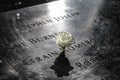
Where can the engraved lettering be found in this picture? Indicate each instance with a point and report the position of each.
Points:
(38, 59)
(78, 45)
(33, 41)
(46, 37)
(45, 57)
(26, 62)
(80, 65)
(71, 48)
(40, 39)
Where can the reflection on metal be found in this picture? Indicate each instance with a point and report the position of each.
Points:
(57, 8)
(27, 39)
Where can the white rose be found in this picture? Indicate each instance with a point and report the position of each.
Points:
(64, 39)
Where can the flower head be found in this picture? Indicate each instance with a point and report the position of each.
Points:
(64, 39)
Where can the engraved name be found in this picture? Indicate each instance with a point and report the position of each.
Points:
(21, 26)
(56, 53)
(34, 40)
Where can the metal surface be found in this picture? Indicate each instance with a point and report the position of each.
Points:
(27, 39)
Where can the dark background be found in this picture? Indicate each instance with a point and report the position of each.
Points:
(7, 5)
